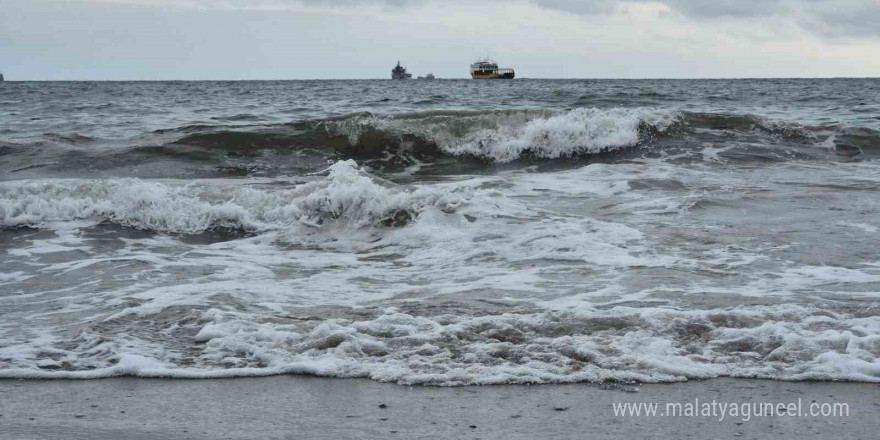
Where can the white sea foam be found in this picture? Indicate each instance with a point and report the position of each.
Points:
(347, 195)
(517, 277)
(579, 131)
(11, 277)
(871, 229)
(507, 136)
(622, 344)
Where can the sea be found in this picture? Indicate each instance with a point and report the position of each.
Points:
(445, 232)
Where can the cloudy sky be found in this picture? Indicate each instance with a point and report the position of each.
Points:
(301, 39)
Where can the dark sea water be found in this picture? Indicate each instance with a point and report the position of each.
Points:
(442, 232)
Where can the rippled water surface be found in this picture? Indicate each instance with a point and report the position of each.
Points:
(442, 232)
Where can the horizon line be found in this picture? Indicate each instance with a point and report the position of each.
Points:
(446, 78)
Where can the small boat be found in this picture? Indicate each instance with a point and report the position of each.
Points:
(399, 72)
(428, 76)
(488, 69)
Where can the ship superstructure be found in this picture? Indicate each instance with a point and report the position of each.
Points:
(399, 72)
(488, 69)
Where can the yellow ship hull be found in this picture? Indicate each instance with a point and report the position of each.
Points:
(507, 74)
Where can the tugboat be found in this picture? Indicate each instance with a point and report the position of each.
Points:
(488, 69)
(399, 72)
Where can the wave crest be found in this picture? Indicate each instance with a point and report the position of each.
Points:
(783, 342)
(347, 195)
(507, 136)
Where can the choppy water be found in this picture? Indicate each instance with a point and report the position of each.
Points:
(442, 232)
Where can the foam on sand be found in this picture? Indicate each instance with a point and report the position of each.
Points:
(620, 344)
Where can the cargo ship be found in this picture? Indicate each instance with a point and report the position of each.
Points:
(399, 72)
(488, 69)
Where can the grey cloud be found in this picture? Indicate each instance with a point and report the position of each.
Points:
(830, 19)
(580, 7)
(739, 8)
(691, 8)
(827, 18)
(845, 18)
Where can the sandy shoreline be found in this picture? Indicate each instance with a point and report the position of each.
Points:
(298, 407)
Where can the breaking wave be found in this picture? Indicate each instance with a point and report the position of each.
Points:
(347, 195)
(786, 342)
(395, 142)
(507, 136)
(527, 232)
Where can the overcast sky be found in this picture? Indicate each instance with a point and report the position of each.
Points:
(303, 39)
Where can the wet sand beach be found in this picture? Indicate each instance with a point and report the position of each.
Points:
(296, 407)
